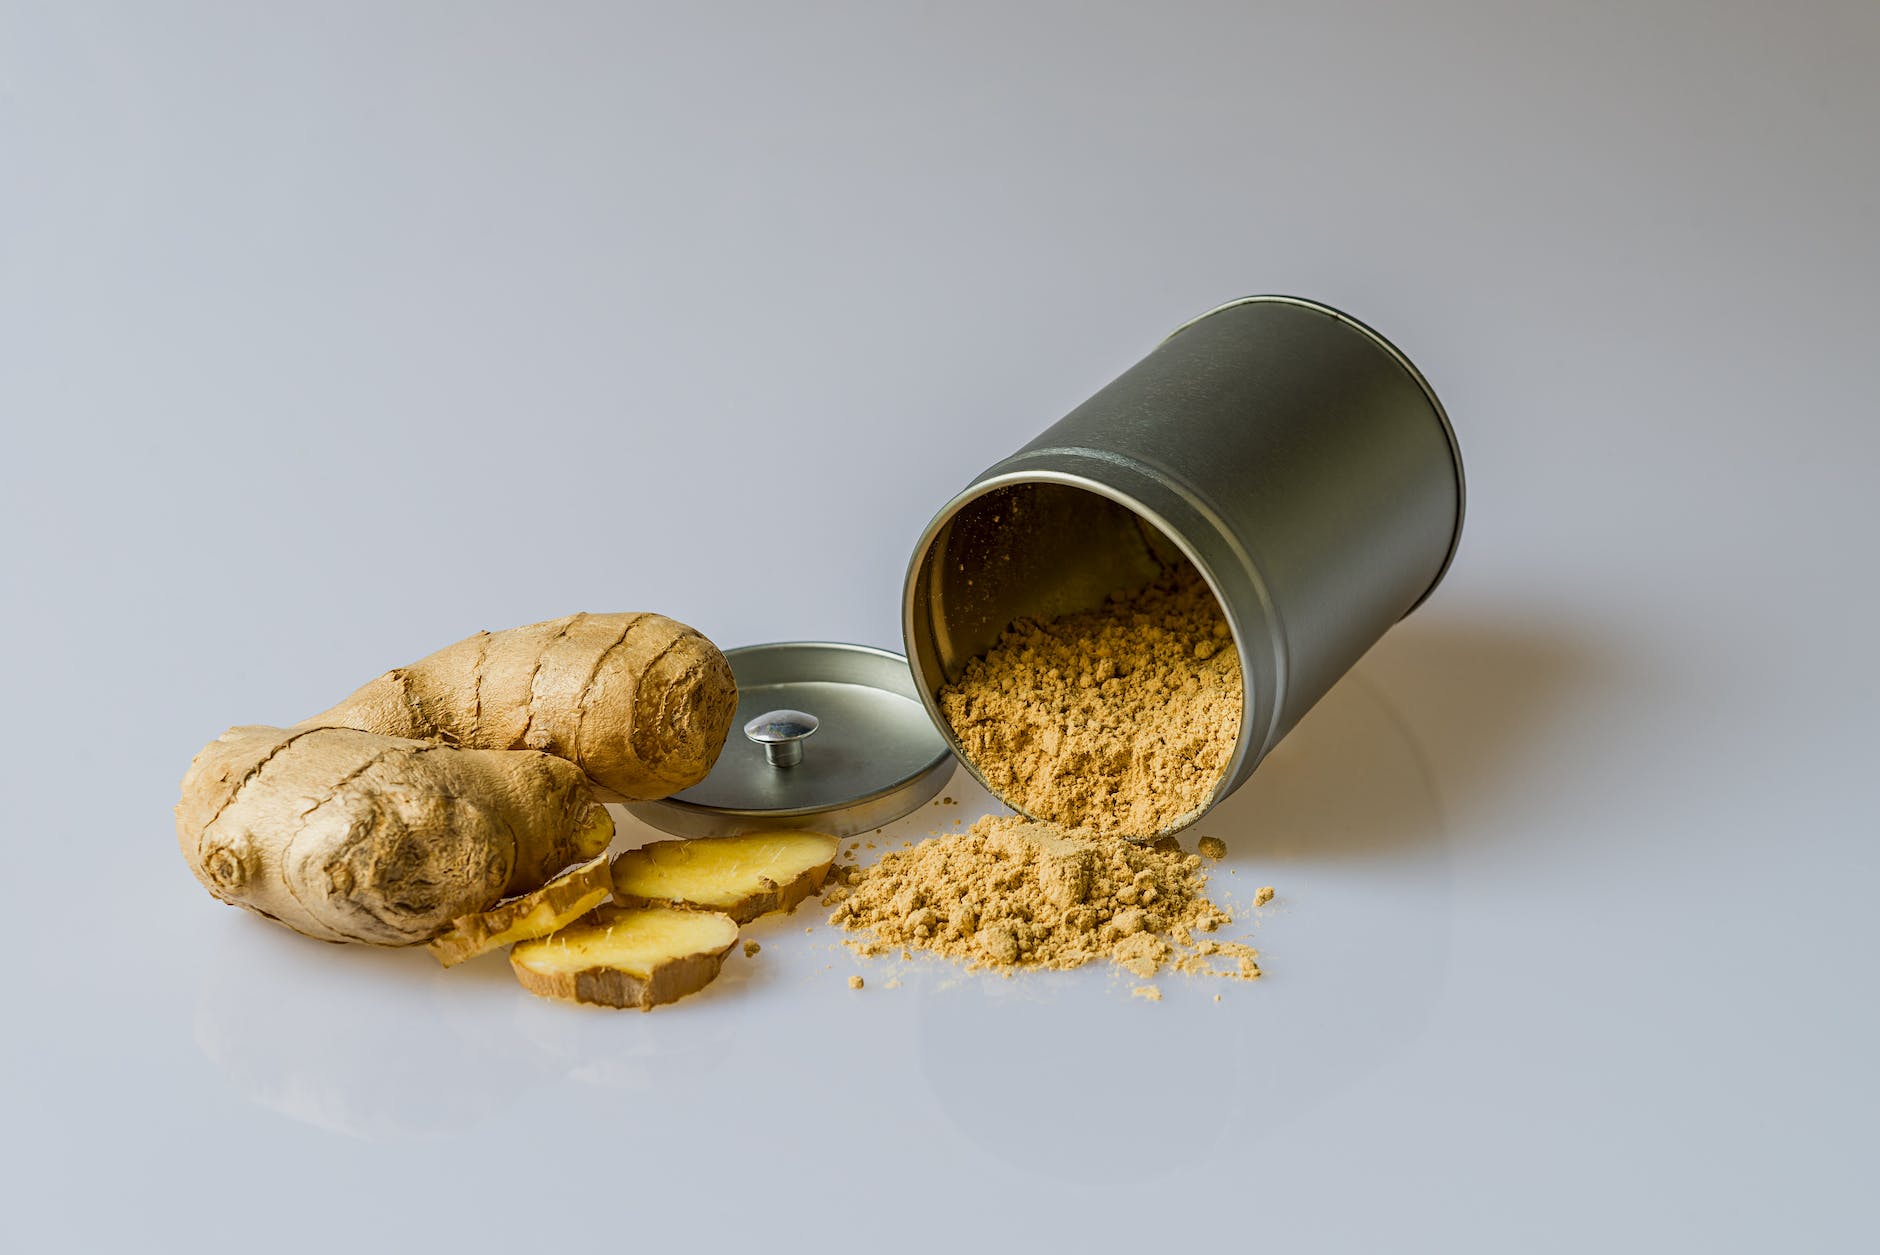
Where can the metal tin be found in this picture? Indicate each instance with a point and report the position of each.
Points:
(1293, 455)
(833, 737)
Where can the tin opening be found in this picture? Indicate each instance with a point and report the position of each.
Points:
(1034, 550)
(1030, 550)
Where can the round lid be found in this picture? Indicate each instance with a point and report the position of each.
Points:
(830, 737)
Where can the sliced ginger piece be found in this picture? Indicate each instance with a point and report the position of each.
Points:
(743, 877)
(640, 957)
(554, 906)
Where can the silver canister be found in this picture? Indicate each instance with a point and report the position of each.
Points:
(1290, 452)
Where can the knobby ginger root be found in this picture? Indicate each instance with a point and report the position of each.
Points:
(743, 876)
(639, 957)
(555, 905)
(639, 702)
(348, 836)
(472, 775)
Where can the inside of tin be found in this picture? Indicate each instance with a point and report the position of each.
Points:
(1034, 550)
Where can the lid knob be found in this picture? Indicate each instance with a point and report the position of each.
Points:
(781, 733)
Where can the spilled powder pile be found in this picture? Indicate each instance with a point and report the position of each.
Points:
(1009, 892)
(1120, 719)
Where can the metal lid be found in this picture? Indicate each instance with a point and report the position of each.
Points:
(830, 737)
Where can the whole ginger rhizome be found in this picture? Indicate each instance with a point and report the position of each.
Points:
(444, 802)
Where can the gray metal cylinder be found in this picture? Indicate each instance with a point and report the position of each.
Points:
(1289, 451)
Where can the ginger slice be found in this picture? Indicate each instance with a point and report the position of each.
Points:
(743, 877)
(642, 957)
(554, 906)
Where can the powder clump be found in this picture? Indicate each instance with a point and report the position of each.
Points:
(1121, 719)
(1010, 892)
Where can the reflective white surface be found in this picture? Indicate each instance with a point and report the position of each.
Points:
(331, 333)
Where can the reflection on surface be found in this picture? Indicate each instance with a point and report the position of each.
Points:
(1091, 1088)
(352, 1039)
(1069, 1077)
(385, 1045)
(676, 1049)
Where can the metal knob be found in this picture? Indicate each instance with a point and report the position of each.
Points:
(781, 733)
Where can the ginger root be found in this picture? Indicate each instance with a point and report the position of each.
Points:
(743, 876)
(640, 703)
(640, 957)
(348, 836)
(441, 788)
(554, 906)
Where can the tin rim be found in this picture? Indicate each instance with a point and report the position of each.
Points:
(1232, 774)
(1409, 367)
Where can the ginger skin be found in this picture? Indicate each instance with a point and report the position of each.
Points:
(442, 788)
(349, 836)
(639, 702)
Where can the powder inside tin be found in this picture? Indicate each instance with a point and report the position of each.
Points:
(1009, 892)
(1120, 719)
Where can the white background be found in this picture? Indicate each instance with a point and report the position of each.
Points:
(330, 333)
